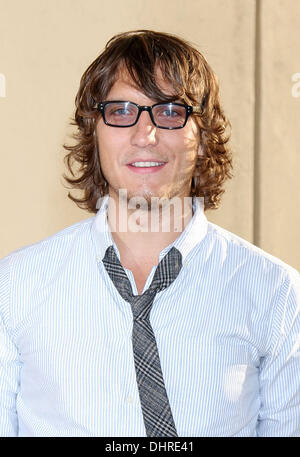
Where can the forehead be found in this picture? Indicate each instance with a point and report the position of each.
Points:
(124, 83)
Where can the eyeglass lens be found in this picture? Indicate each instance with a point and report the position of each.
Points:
(164, 115)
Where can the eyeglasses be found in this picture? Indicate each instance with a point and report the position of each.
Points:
(163, 115)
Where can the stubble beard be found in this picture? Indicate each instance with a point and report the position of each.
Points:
(149, 199)
(161, 210)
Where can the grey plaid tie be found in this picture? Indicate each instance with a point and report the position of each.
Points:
(157, 414)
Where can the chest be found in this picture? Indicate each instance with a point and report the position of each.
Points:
(209, 380)
(140, 274)
(140, 278)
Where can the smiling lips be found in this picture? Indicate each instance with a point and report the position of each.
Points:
(139, 166)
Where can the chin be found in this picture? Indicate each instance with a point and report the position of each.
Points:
(145, 194)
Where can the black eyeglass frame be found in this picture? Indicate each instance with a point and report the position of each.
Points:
(188, 110)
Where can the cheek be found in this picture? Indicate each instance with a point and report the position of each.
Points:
(188, 140)
(188, 150)
(192, 149)
(109, 144)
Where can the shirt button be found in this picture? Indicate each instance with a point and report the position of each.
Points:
(129, 400)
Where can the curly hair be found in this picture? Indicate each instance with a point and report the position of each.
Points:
(194, 82)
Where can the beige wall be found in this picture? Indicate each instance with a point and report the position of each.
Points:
(45, 45)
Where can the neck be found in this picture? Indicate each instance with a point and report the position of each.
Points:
(141, 233)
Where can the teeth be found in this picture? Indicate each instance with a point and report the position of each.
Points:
(147, 164)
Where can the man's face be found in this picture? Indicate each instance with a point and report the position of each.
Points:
(119, 148)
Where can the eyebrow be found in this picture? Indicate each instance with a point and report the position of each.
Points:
(159, 101)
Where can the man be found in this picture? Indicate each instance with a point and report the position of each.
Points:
(146, 319)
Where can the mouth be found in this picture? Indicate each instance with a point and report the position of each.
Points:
(145, 166)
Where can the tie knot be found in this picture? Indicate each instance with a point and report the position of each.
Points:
(166, 272)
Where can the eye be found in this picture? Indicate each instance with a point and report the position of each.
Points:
(169, 113)
(119, 111)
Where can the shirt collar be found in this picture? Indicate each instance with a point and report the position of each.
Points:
(193, 233)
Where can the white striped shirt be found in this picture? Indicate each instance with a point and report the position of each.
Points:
(227, 330)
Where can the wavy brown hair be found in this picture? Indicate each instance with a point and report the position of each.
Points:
(140, 52)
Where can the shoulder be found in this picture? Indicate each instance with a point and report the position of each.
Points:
(244, 266)
(28, 273)
(236, 249)
(254, 280)
(32, 257)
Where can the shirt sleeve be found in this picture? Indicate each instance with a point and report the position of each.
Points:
(9, 361)
(280, 369)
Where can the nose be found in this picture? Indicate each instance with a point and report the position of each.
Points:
(144, 132)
